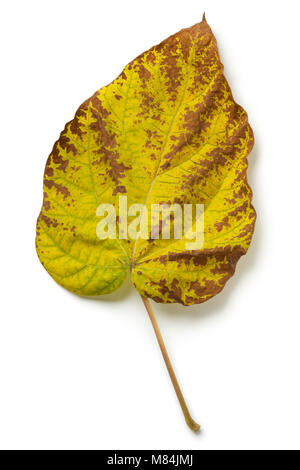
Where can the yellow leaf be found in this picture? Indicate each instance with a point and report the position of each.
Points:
(167, 130)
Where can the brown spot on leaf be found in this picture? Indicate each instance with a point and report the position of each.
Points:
(60, 189)
(49, 221)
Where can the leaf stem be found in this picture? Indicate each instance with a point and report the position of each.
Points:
(189, 420)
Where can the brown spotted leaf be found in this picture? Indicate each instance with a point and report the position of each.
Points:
(167, 130)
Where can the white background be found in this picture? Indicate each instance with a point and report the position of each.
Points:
(85, 374)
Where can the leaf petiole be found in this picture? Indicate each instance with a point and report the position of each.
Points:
(189, 420)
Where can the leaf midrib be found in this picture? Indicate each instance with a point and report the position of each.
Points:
(165, 143)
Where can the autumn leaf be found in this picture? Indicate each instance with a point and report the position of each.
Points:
(166, 131)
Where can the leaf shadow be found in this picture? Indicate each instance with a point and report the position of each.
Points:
(117, 296)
